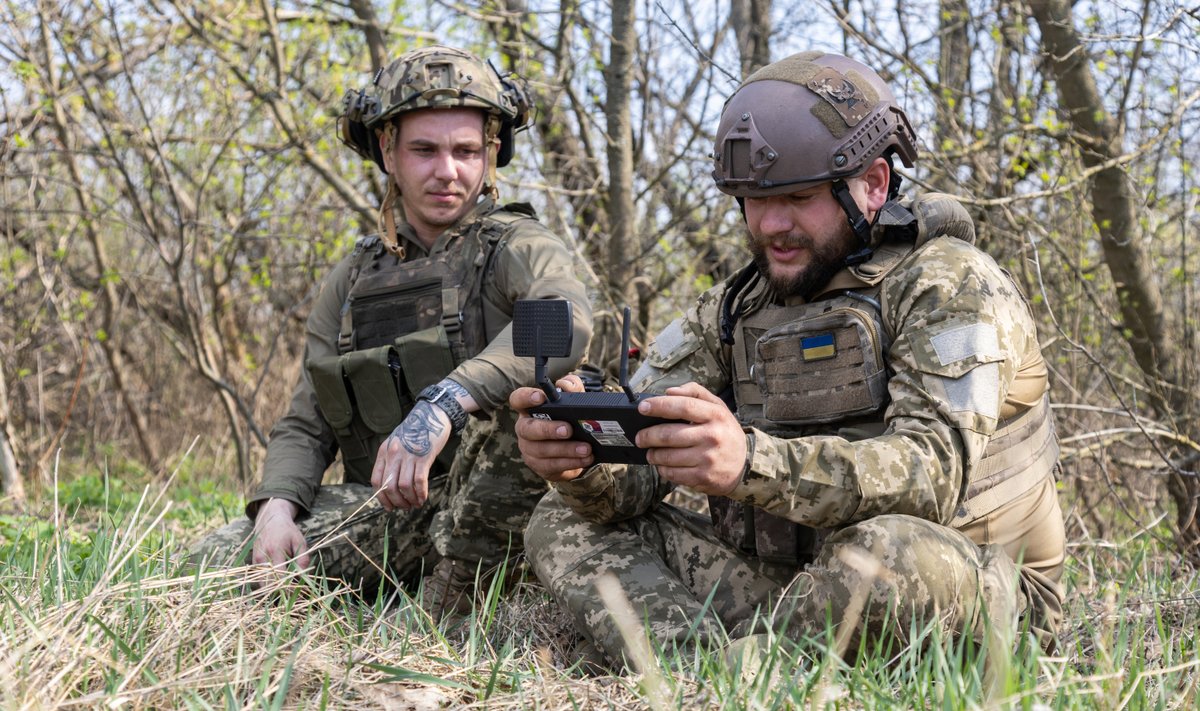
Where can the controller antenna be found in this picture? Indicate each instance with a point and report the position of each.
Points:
(624, 374)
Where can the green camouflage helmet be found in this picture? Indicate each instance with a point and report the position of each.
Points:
(436, 77)
(804, 120)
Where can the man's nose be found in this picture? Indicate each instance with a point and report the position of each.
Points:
(774, 219)
(445, 167)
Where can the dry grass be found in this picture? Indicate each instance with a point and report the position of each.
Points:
(97, 614)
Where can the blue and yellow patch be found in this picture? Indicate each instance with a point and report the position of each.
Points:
(818, 347)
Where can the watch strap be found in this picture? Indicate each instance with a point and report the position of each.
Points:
(441, 396)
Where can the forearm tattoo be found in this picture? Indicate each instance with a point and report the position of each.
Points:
(454, 388)
(419, 429)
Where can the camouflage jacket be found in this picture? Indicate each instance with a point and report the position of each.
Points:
(532, 262)
(936, 425)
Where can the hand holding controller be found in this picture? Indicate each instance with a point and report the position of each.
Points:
(609, 422)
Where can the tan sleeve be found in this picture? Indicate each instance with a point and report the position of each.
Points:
(534, 263)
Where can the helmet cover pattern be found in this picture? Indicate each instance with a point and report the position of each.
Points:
(436, 77)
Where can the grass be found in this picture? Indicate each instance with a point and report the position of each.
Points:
(96, 612)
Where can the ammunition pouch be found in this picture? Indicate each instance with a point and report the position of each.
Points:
(366, 394)
(822, 368)
(758, 533)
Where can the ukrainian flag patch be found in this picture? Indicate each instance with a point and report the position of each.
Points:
(818, 347)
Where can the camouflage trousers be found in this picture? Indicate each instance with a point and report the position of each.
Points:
(350, 538)
(888, 575)
(475, 515)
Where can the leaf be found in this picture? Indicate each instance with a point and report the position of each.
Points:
(402, 674)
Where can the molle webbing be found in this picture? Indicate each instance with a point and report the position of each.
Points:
(1020, 455)
(813, 363)
(413, 321)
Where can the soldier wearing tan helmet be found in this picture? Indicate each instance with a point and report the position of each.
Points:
(408, 359)
(866, 403)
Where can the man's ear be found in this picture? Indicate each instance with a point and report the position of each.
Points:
(877, 178)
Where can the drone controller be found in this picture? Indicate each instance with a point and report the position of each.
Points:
(609, 422)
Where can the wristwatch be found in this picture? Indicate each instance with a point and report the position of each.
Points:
(440, 395)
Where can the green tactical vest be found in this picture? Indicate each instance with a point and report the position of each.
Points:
(820, 369)
(405, 325)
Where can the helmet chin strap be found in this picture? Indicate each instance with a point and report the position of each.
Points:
(387, 220)
(858, 223)
(491, 133)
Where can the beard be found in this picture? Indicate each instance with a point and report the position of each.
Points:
(828, 258)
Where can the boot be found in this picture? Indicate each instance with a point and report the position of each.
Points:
(449, 589)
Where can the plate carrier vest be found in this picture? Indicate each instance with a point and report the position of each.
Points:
(405, 325)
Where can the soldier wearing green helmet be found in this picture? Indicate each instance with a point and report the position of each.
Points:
(408, 358)
(866, 404)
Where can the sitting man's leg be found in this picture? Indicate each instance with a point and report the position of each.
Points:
(482, 526)
(891, 575)
(349, 537)
(668, 563)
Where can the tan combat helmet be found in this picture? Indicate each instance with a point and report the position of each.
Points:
(808, 119)
(436, 77)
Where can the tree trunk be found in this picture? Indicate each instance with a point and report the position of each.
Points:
(109, 300)
(364, 10)
(751, 20)
(618, 81)
(10, 477)
(954, 67)
(618, 77)
(1114, 210)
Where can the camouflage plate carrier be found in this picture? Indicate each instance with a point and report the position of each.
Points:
(819, 368)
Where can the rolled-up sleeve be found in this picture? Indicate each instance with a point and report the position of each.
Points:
(533, 263)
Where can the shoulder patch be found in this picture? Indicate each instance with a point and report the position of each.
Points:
(978, 391)
(973, 339)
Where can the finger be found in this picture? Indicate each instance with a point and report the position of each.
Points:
(300, 551)
(532, 429)
(554, 467)
(681, 407)
(674, 458)
(696, 390)
(673, 435)
(406, 498)
(388, 490)
(380, 463)
(570, 383)
(553, 449)
(523, 399)
(302, 560)
(552, 459)
(420, 485)
(258, 554)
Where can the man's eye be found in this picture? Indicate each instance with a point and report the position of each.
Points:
(468, 152)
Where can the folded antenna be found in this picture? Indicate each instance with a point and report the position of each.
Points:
(539, 367)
